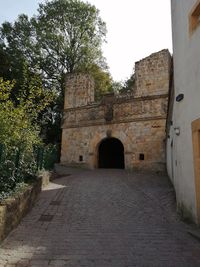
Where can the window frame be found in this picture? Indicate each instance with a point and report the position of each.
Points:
(194, 17)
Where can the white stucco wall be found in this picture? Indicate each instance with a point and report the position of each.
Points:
(186, 53)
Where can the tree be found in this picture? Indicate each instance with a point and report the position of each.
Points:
(70, 33)
(125, 87)
(4, 63)
(19, 124)
(117, 87)
(64, 36)
(20, 131)
(129, 84)
(16, 49)
(102, 79)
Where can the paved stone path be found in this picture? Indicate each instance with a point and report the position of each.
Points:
(102, 218)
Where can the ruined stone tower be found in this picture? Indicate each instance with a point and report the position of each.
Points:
(122, 131)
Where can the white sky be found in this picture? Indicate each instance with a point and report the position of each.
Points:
(135, 28)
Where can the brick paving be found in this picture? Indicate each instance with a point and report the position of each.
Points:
(103, 218)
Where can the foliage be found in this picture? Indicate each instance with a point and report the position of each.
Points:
(129, 84)
(70, 33)
(48, 155)
(19, 132)
(6, 192)
(18, 167)
(102, 79)
(124, 87)
(4, 62)
(15, 168)
(18, 123)
(64, 36)
(16, 47)
(117, 87)
(15, 126)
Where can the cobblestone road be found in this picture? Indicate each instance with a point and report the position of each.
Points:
(102, 218)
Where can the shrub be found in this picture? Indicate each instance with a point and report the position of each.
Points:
(19, 134)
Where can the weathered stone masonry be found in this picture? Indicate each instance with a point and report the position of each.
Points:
(136, 119)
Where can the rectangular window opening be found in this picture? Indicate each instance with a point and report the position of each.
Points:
(141, 156)
(80, 158)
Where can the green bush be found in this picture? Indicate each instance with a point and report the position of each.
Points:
(15, 168)
(19, 134)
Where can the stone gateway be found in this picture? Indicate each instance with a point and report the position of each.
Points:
(122, 130)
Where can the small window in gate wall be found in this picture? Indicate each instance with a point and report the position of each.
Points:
(141, 156)
(194, 17)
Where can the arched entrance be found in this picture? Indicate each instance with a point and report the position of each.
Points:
(111, 154)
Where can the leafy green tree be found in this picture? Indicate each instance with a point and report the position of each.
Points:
(4, 62)
(17, 134)
(117, 87)
(124, 87)
(64, 36)
(69, 33)
(102, 79)
(17, 51)
(18, 46)
(33, 96)
(18, 124)
(129, 84)
(19, 131)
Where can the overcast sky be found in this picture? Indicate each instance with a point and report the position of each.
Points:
(135, 28)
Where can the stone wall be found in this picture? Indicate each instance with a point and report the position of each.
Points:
(14, 208)
(137, 119)
(121, 110)
(139, 137)
(79, 90)
(152, 74)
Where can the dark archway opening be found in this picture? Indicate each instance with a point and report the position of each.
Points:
(111, 154)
